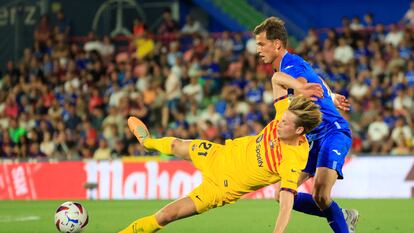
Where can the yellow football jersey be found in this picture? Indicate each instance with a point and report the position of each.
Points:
(257, 161)
(246, 164)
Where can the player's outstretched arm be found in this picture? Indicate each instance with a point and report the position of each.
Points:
(310, 90)
(285, 208)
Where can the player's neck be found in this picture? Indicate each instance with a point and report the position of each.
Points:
(291, 141)
(277, 62)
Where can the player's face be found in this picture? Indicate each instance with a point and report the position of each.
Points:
(287, 129)
(268, 50)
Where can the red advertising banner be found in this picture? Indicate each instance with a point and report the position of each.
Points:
(173, 179)
(114, 180)
(44, 180)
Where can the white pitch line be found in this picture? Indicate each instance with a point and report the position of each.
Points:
(19, 219)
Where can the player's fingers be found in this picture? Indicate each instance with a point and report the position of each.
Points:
(317, 93)
(313, 98)
(313, 86)
(345, 107)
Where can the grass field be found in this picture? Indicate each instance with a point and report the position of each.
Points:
(246, 216)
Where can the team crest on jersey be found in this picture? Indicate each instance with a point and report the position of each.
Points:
(259, 139)
(271, 144)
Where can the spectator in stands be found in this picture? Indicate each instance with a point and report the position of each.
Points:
(328, 51)
(107, 48)
(63, 24)
(238, 44)
(224, 43)
(310, 39)
(103, 152)
(358, 87)
(409, 74)
(379, 33)
(402, 102)
(35, 152)
(343, 53)
(346, 22)
(119, 150)
(193, 91)
(192, 116)
(210, 114)
(369, 21)
(173, 94)
(139, 28)
(409, 15)
(395, 36)
(395, 62)
(378, 131)
(402, 148)
(356, 24)
(43, 30)
(405, 48)
(192, 27)
(47, 146)
(93, 43)
(402, 131)
(168, 24)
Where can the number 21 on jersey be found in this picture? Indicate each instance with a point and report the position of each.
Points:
(203, 148)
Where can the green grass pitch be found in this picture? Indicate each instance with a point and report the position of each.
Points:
(246, 216)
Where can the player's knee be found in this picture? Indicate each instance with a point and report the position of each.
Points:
(321, 199)
(180, 148)
(166, 216)
(175, 145)
(277, 193)
(277, 196)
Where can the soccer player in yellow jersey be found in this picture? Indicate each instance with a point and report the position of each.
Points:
(277, 154)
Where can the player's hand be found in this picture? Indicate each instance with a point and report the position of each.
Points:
(341, 102)
(312, 91)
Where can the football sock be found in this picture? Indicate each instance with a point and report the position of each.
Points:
(336, 218)
(146, 225)
(162, 145)
(304, 203)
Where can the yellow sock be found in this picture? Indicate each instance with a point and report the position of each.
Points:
(162, 145)
(143, 225)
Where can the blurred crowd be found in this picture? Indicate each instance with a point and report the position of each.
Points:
(68, 100)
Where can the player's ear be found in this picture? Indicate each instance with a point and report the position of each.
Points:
(277, 44)
(300, 130)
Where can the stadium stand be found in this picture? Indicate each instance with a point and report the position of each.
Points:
(67, 99)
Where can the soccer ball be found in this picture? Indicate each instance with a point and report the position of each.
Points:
(71, 217)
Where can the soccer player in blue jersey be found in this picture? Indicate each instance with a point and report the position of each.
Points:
(329, 142)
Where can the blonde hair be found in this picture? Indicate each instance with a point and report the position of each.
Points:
(307, 113)
(274, 28)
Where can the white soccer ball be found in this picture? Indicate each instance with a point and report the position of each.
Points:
(71, 217)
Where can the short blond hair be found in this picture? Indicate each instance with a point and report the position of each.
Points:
(274, 28)
(308, 114)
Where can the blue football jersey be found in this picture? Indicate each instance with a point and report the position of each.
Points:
(296, 67)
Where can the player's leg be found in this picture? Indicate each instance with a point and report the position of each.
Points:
(325, 179)
(332, 151)
(181, 208)
(304, 202)
(165, 145)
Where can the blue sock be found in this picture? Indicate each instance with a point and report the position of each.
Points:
(336, 218)
(304, 203)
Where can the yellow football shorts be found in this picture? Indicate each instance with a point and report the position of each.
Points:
(213, 191)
